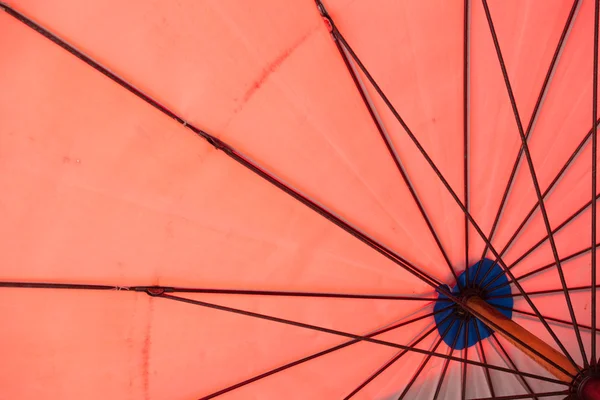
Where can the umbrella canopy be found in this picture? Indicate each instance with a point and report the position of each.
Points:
(267, 199)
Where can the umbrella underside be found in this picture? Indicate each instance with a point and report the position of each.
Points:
(321, 192)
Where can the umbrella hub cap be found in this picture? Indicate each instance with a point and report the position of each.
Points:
(484, 279)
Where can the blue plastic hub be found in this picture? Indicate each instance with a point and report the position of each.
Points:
(456, 317)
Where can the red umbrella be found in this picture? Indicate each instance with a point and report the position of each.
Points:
(265, 200)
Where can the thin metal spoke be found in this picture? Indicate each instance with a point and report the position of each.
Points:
(153, 290)
(336, 33)
(465, 360)
(483, 358)
(534, 115)
(220, 146)
(390, 146)
(536, 184)
(513, 365)
(447, 362)
(391, 362)
(70, 286)
(272, 179)
(548, 190)
(297, 294)
(349, 335)
(466, 46)
(228, 150)
(545, 267)
(543, 240)
(339, 37)
(171, 289)
(541, 292)
(594, 154)
(232, 153)
(561, 321)
(424, 363)
(526, 396)
(318, 354)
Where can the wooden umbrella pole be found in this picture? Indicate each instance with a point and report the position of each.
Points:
(508, 325)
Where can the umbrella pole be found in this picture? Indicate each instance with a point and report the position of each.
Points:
(490, 313)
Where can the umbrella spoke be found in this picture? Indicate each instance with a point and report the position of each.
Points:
(594, 154)
(218, 144)
(447, 362)
(389, 145)
(526, 396)
(424, 363)
(393, 360)
(533, 118)
(153, 291)
(545, 267)
(536, 184)
(46, 285)
(317, 355)
(348, 335)
(545, 238)
(159, 290)
(293, 294)
(269, 177)
(483, 358)
(551, 186)
(466, 55)
(246, 162)
(561, 321)
(542, 292)
(168, 289)
(509, 360)
(338, 36)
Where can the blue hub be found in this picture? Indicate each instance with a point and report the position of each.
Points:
(461, 322)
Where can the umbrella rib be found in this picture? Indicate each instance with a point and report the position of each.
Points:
(513, 365)
(536, 184)
(298, 294)
(594, 172)
(447, 362)
(534, 208)
(170, 289)
(46, 285)
(543, 240)
(218, 144)
(546, 267)
(318, 354)
(561, 321)
(337, 34)
(390, 146)
(466, 109)
(392, 361)
(483, 358)
(541, 292)
(534, 115)
(465, 360)
(424, 363)
(346, 334)
(526, 396)
(247, 163)
(556, 179)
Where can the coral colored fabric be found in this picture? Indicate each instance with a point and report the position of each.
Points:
(98, 187)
